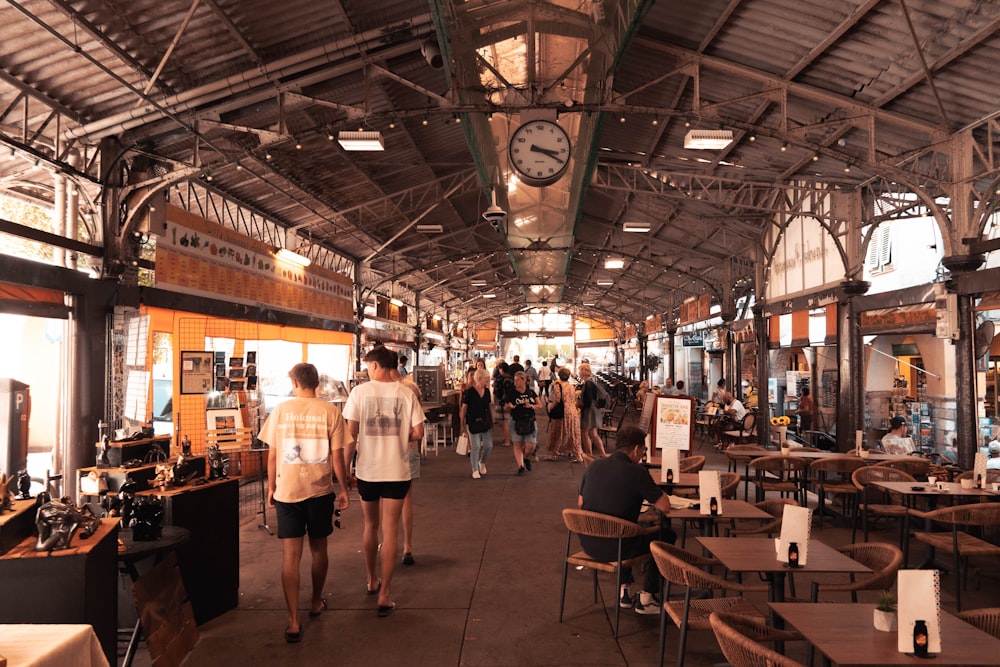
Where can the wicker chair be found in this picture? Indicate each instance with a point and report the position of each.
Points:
(740, 639)
(594, 524)
(833, 476)
(692, 463)
(891, 506)
(677, 567)
(992, 475)
(747, 431)
(743, 455)
(963, 545)
(775, 507)
(782, 474)
(883, 559)
(917, 467)
(987, 619)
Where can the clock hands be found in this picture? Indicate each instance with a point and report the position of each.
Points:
(546, 151)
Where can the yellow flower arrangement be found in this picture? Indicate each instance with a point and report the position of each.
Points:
(784, 420)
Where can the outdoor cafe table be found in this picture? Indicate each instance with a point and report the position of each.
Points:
(844, 634)
(732, 509)
(757, 554)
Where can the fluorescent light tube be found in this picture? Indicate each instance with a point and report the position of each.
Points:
(635, 227)
(614, 263)
(294, 257)
(361, 141)
(708, 139)
(430, 229)
(605, 283)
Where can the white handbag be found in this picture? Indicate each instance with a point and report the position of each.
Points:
(462, 446)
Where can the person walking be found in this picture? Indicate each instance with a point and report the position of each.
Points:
(384, 417)
(805, 411)
(591, 416)
(306, 437)
(521, 400)
(544, 379)
(502, 382)
(532, 374)
(476, 417)
(565, 439)
(414, 460)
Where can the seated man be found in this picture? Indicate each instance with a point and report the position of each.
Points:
(731, 418)
(617, 485)
(895, 441)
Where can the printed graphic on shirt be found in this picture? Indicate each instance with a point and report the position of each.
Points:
(304, 439)
(382, 416)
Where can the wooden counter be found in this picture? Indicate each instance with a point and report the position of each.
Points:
(16, 524)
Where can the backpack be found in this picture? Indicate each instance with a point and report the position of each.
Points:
(602, 396)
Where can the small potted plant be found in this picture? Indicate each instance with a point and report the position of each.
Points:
(885, 612)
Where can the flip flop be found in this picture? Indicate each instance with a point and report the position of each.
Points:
(373, 591)
(386, 610)
(293, 637)
(323, 607)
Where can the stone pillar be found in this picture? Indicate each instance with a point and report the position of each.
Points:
(851, 392)
(763, 407)
(672, 366)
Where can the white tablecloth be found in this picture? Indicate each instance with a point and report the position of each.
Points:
(55, 645)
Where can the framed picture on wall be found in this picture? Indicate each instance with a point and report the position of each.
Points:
(236, 362)
(197, 372)
(224, 420)
(251, 358)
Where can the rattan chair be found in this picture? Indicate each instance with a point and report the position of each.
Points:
(992, 475)
(878, 502)
(915, 466)
(740, 639)
(987, 619)
(677, 567)
(963, 545)
(746, 433)
(594, 524)
(785, 475)
(883, 559)
(832, 476)
(742, 455)
(775, 507)
(692, 463)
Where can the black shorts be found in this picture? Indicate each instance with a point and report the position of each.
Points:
(312, 514)
(373, 491)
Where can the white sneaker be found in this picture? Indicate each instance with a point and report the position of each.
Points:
(646, 604)
(482, 468)
(475, 475)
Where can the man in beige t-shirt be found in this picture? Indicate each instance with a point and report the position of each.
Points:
(306, 437)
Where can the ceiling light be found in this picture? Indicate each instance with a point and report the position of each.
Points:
(708, 139)
(361, 141)
(424, 121)
(636, 227)
(267, 155)
(490, 295)
(430, 229)
(815, 157)
(614, 263)
(478, 283)
(752, 138)
(294, 257)
(656, 121)
(298, 145)
(605, 283)
(622, 119)
(847, 168)
(396, 302)
(392, 124)
(330, 136)
(589, 304)
(784, 147)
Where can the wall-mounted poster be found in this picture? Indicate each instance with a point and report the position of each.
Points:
(672, 421)
(197, 370)
(251, 358)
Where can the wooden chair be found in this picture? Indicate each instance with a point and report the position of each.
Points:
(882, 558)
(833, 476)
(692, 463)
(877, 502)
(917, 467)
(740, 638)
(677, 567)
(594, 524)
(986, 619)
(963, 545)
(785, 475)
(747, 432)
(775, 507)
(743, 455)
(613, 420)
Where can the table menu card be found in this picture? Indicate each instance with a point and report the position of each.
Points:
(709, 486)
(796, 525)
(979, 470)
(671, 460)
(919, 598)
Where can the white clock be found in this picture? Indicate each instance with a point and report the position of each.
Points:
(539, 152)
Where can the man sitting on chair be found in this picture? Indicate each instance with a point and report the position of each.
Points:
(617, 486)
(731, 419)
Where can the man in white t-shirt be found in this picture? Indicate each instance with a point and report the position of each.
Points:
(993, 462)
(383, 416)
(307, 436)
(544, 379)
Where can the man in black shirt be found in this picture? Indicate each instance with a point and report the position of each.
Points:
(617, 486)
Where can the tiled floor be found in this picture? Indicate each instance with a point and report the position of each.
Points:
(484, 591)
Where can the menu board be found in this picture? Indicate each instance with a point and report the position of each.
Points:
(672, 421)
(647, 412)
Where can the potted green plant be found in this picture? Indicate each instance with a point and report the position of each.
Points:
(885, 612)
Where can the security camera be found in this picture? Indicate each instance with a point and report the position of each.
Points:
(495, 215)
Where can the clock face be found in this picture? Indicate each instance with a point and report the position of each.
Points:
(539, 151)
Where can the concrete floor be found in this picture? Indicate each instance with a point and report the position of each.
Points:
(484, 591)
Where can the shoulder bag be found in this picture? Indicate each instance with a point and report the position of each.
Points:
(558, 411)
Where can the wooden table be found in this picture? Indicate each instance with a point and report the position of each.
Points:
(51, 645)
(732, 509)
(843, 633)
(757, 554)
(684, 480)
